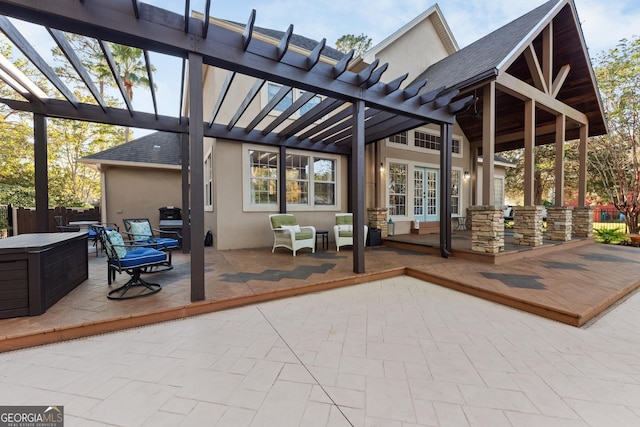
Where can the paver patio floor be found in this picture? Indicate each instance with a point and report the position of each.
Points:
(391, 352)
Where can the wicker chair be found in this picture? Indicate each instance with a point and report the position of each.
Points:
(343, 230)
(288, 234)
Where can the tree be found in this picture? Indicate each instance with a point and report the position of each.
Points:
(543, 173)
(360, 43)
(614, 158)
(129, 60)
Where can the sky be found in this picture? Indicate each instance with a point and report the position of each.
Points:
(604, 24)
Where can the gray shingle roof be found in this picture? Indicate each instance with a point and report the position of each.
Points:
(163, 148)
(477, 60)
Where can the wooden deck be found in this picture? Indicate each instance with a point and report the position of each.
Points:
(573, 282)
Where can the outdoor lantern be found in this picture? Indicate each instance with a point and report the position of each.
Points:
(467, 175)
(390, 227)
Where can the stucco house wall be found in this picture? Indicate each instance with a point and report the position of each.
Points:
(134, 192)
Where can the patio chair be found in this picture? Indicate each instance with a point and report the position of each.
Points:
(343, 230)
(133, 260)
(92, 233)
(287, 233)
(140, 232)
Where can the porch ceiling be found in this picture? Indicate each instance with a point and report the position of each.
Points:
(325, 127)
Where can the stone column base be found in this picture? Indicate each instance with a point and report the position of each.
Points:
(527, 225)
(378, 219)
(582, 221)
(559, 223)
(487, 229)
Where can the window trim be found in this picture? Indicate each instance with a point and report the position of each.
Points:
(295, 94)
(248, 206)
(411, 146)
(208, 158)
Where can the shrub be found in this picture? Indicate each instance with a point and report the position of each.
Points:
(609, 235)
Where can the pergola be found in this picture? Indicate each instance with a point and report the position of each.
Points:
(358, 108)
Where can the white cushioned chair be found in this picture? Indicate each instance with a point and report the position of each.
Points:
(343, 230)
(287, 233)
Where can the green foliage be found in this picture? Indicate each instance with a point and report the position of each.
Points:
(360, 43)
(614, 159)
(609, 235)
(17, 195)
(70, 183)
(543, 173)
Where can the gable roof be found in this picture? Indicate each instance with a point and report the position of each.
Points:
(437, 19)
(481, 60)
(502, 52)
(161, 149)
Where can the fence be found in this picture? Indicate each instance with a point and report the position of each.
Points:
(24, 219)
(609, 218)
(4, 219)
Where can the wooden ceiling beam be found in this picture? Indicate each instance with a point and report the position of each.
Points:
(77, 65)
(32, 55)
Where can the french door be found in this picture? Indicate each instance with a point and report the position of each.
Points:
(425, 194)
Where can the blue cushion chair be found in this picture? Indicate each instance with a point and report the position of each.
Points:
(133, 260)
(140, 232)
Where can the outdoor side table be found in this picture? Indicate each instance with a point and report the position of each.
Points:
(325, 239)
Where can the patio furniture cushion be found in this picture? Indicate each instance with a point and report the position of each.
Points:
(279, 221)
(141, 256)
(344, 219)
(141, 230)
(116, 242)
(345, 230)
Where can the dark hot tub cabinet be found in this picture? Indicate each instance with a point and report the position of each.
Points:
(37, 270)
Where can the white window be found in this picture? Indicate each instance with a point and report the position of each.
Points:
(432, 142)
(208, 182)
(292, 95)
(397, 189)
(498, 191)
(312, 182)
(272, 90)
(399, 138)
(264, 177)
(324, 185)
(456, 186)
(297, 179)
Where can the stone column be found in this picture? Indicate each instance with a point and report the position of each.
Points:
(378, 219)
(582, 221)
(487, 229)
(527, 225)
(559, 223)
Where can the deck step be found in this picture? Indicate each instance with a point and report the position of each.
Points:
(427, 228)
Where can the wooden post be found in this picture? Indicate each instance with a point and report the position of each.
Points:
(559, 166)
(582, 179)
(196, 135)
(357, 185)
(488, 142)
(41, 174)
(529, 146)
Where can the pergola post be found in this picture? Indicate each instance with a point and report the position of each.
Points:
(41, 173)
(196, 135)
(282, 178)
(357, 186)
(488, 143)
(186, 226)
(445, 189)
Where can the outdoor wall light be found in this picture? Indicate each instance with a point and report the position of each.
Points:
(467, 175)
(381, 167)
